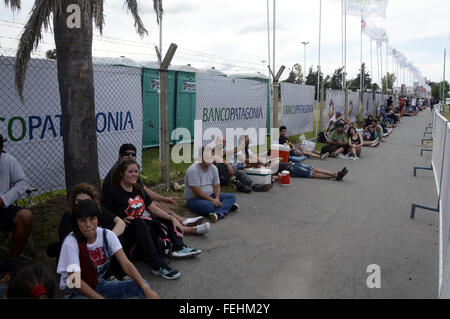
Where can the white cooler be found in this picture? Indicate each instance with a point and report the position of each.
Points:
(259, 175)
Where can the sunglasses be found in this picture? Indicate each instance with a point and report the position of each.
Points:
(129, 154)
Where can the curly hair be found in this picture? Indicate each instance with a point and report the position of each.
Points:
(83, 188)
(120, 170)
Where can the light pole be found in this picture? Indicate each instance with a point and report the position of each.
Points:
(304, 61)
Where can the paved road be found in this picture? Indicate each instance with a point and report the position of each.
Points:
(316, 238)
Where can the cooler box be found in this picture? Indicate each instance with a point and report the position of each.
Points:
(259, 175)
(280, 151)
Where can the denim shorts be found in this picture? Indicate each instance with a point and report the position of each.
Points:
(300, 170)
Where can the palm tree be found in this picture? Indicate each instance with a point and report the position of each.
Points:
(75, 75)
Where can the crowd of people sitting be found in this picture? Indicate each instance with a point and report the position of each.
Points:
(104, 231)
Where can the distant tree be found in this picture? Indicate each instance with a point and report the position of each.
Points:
(336, 79)
(355, 83)
(295, 75)
(311, 79)
(51, 54)
(436, 89)
(390, 83)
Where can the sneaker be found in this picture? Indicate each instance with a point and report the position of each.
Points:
(191, 222)
(344, 172)
(125, 278)
(262, 187)
(234, 207)
(213, 217)
(202, 229)
(186, 252)
(341, 156)
(339, 176)
(324, 155)
(167, 272)
(241, 187)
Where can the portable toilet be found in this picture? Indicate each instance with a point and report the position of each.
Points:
(150, 104)
(185, 99)
(258, 76)
(214, 71)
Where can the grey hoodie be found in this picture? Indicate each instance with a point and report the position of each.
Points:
(13, 181)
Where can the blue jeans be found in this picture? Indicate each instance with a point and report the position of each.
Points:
(300, 170)
(111, 290)
(204, 207)
(297, 159)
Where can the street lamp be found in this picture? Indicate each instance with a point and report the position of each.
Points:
(304, 61)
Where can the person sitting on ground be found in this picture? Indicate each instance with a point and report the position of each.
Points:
(13, 219)
(295, 153)
(370, 121)
(385, 113)
(202, 189)
(370, 136)
(337, 142)
(311, 171)
(332, 124)
(27, 280)
(228, 173)
(108, 220)
(127, 200)
(85, 258)
(355, 141)
(190, 226)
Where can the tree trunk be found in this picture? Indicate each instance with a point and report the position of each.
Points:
(76, 88)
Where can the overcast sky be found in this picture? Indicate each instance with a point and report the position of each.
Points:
(232, 35)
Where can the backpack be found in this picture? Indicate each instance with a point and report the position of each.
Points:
(322, 138)
(160, 236)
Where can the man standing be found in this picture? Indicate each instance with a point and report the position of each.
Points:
(202, 189)
(13, 185)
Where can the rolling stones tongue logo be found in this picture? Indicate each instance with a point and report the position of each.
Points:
(135, 207)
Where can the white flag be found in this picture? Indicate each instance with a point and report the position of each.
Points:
(367, 8)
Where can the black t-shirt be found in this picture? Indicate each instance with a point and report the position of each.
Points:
(282, 140)
(123, 204)
(106, 220)
(107, 181)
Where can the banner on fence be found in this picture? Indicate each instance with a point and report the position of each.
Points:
(444, 215)
(353, 106)
(297, 108)
(378, 101)
(223, 102)
(335, 102)
(368, 104)
(33, 129)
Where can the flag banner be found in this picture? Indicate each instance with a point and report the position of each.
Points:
(371, 30)
(368, 104)
(297, 108)
(367, 8)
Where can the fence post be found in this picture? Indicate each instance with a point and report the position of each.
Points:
(275, 87)
(164, 138)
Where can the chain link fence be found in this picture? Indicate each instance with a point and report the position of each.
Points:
(33, 129)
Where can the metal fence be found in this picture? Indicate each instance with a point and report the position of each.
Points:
(33, 129)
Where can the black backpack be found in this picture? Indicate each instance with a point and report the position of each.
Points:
(322, 138)
(160, 236)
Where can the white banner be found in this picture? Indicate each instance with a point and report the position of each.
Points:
(444, 214)
(353, 106)
(335, 102)
(367, 8)
(379, 101)
(224, 102)
(297, 108)
(368, 104)
(33, 129)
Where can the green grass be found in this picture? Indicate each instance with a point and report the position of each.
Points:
(447, 115)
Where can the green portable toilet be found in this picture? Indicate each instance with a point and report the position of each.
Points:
(150, 104)
(258, 76)
(185, 99)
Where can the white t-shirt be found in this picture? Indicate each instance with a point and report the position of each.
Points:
(70, 254)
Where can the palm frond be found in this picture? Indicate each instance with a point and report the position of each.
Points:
(157, 6)
(13, 4)
(99, 18)
(31, 36)
(133, 7)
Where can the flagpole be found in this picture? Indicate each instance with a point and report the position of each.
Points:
(360, 59)
(318, 66)
(345, 45)
(268, 38)
(342, 38)
(381, 66)
(371, 59)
